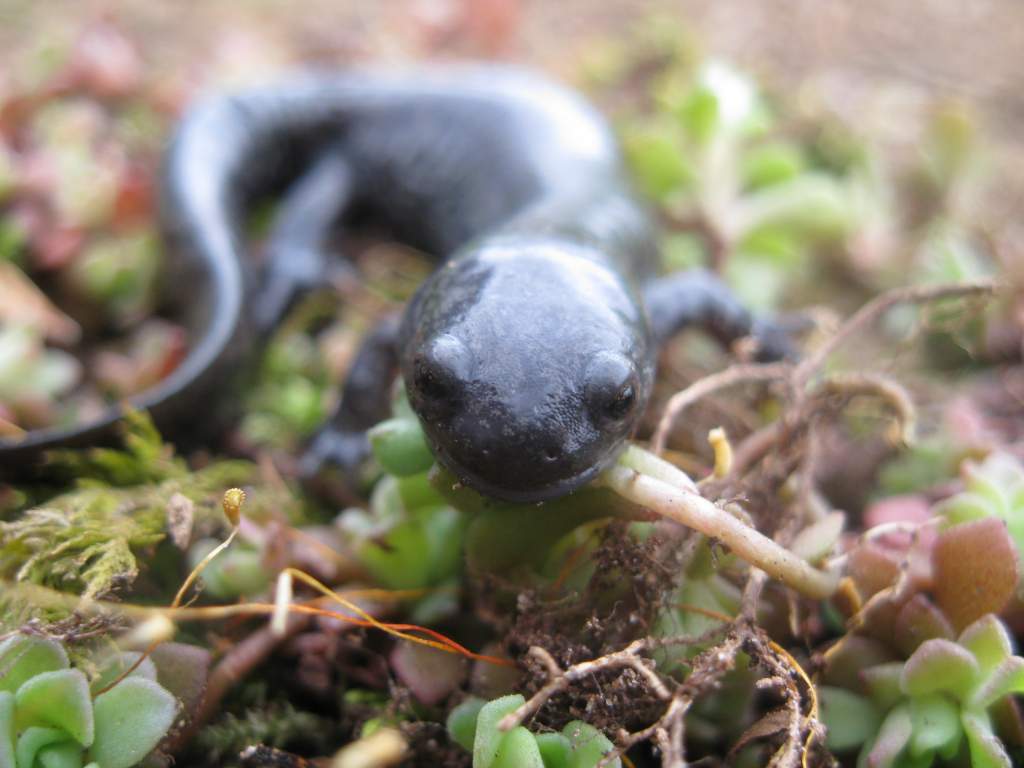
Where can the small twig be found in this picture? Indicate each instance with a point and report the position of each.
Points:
(561, 679)
(730, 377)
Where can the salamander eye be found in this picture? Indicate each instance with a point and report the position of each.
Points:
(440, 370)
(612, 387)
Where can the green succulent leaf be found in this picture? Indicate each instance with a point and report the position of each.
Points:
(118, 664)
(882, 682)
(1005, 679)
(812, 204)
(401, 447)
(893, 737)
(851, 719)
(59, 699)
(936, 725)
(64, 755)
(22, 657)
(555, 750)
(772, 163)
(488, 737)
(6, 729)
(422, 550)
(986, 749)
(963, 508)
(462, 721)
(659, 160)
(34, 739)
(988, 641)
(939, 665)
(131, 719)
(517, 749)
(589, 746)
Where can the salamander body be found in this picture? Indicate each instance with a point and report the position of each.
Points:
(528, 355)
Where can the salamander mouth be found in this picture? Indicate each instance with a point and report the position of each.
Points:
(530, 495)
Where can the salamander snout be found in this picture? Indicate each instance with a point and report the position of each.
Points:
(523, 432)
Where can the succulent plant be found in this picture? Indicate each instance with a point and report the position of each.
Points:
(51, 716)
(992, 488)
(938, 704)
(409, 536)
(705, 155)
(474, 725)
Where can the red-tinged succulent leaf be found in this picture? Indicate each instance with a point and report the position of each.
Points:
(892, 738)
(852, 656)
(910, 508)
(986, 749)
(917, 621)
(882, 684)
(989, 641)
(939, 665)
(872, 568)
(976, 570)
(430, 674)
(936, 725)
(183, 670)
(1005, 679)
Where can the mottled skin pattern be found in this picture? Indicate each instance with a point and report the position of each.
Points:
(530, 352)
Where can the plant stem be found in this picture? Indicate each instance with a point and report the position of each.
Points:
(693, 510)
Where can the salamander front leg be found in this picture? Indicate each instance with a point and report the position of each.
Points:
(365, 400)
(297, 260)
(698, 297)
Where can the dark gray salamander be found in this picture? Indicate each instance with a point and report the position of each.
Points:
(530, 352)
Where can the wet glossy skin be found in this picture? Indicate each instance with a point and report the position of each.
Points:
(526, 393)
(528, 355)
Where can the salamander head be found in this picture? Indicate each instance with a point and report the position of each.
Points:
(529, 366)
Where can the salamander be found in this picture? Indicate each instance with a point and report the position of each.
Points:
(528, 354)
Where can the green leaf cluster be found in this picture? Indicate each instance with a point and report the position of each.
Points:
(52, 716)
(409, 536)
(474, 725)
(711, 154)
(937, 705)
